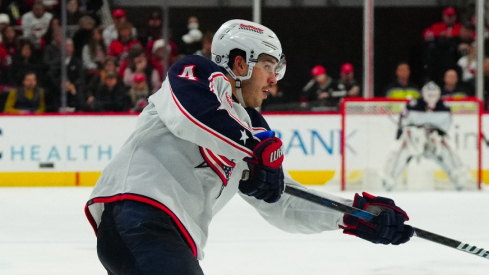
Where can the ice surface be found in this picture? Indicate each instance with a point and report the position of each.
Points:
(44, 231)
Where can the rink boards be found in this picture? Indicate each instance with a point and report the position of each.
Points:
(56, 150)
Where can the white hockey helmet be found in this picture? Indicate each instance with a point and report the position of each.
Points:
(252, 38)
(431, 93)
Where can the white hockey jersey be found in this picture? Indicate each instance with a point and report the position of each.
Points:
(186, 158)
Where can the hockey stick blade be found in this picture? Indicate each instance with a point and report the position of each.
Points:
(370, 217)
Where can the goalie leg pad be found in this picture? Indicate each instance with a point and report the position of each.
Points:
(395, 164)
(449, 160)
(412, 143)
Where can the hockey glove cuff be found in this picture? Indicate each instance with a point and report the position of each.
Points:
(388, 228)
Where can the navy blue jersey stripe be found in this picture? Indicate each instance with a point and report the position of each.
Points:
(189, 81)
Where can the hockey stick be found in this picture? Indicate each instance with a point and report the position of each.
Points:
(369, 217)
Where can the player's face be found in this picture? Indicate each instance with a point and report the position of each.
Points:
(263, 77)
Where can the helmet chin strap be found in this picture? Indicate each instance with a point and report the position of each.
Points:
(238, 91)
(238, 80)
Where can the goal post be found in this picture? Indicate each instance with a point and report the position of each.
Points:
(368, 136)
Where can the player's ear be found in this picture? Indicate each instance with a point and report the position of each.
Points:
(240, 67)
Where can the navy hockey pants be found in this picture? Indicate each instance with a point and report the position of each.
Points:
(136, 238)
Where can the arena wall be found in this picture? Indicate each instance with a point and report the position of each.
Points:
(57, 150)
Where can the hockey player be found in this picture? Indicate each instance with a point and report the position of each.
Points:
(153, 203)
(423, 128)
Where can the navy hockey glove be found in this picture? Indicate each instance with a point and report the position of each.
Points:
(265, 179)
(389, 228)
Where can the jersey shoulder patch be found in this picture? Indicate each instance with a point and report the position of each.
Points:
(194, 68)
(188, 73)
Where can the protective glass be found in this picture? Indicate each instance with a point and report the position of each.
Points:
(280, 68)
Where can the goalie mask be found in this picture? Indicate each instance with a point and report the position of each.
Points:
(431, 94)
(252, 38)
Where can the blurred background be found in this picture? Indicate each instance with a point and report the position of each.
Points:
(428, 37)
(78, 71)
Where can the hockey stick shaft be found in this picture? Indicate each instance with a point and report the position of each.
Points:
(370, 217)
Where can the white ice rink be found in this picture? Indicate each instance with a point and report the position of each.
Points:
(44, 231)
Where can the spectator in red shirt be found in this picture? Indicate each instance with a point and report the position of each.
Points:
(111, 32)
(446, 28)
(442, 41)
(347, 81)
(120, 47)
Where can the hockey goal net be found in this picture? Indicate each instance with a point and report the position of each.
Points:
(369, 134)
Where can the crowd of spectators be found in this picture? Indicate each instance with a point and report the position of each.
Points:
(323, 93)
(450, 60)
(115, 68)
(110, 68)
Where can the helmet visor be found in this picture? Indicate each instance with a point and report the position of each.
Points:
(280, 68)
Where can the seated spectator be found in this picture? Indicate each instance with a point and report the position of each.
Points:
(192, 39)
(93, 53)
(26, 61)
(10, 41)
(111, 96)
(154, 33)
(74, 66)
(467, 36)
(468, 66)
(442, 42)
(111, 33)
(119, 48)
(139, 93)
(48, 36)
(451, 87)
(157, 56)
(35, 23)
(27, 98)
(74, 98)
(154, 29)
(73, 12)
(347, 82)
(11, 45)
(74, 74)
(4, 22)
(82, 36)
(402, 87)
(206, 45)
(448, 27)
(317, 92)
(138, 64)
(109, 66)
(5, 61)
(52, 51)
